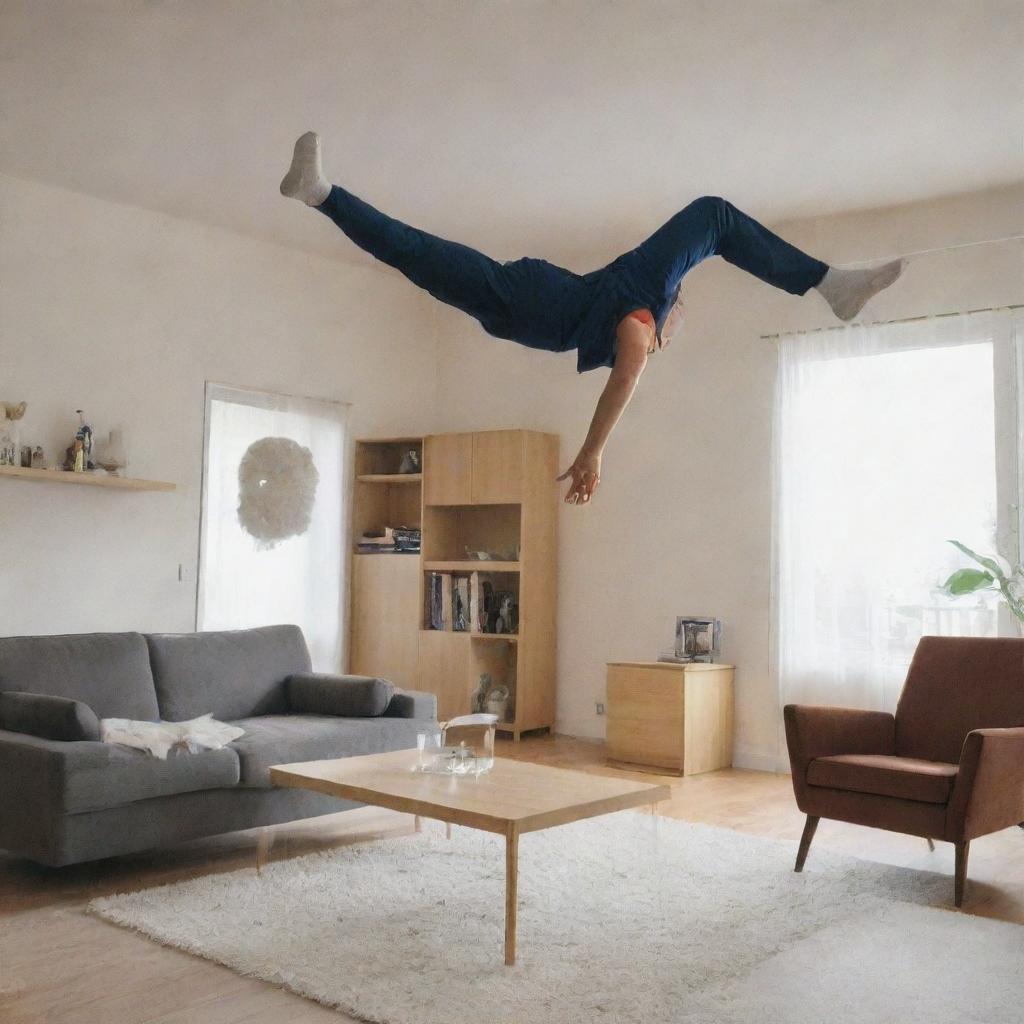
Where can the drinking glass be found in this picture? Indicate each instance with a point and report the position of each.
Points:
(428, 748)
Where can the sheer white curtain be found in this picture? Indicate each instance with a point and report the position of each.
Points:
(247, 580)
(885, 447)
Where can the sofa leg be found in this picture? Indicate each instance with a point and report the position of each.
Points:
(931, 843)
(960, 877)
(810, 826)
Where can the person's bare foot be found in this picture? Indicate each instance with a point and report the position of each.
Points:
(305, 178)
(847, 291)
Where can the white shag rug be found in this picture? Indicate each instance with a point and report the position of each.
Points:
(625, 919)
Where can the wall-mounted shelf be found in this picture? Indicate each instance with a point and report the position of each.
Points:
(117, 483)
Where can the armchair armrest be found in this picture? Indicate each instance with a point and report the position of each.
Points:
(824, 731)
(989, 791)
(319, 693)
(413, 704)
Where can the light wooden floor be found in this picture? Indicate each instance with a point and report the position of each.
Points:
(59, 966)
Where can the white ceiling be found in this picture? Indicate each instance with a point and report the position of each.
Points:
(542, 127)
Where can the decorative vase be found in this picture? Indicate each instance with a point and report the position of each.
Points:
(112, 454)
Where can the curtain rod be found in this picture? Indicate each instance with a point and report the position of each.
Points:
(886, 323)
(928, 252)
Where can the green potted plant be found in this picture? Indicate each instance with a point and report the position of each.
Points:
(992, 575)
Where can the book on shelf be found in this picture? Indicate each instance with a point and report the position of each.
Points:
(475, 621)
(390, 539)
(446, 600)
(460, 604)
(435, 604)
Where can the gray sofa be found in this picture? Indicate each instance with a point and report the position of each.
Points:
(65, 797)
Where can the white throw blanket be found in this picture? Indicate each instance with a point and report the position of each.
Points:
(158, 738)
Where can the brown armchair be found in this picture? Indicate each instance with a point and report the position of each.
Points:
(948, 765)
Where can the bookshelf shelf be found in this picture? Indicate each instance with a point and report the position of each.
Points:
(390, 478)
(55, 476)
(470, 566)
(509, 638)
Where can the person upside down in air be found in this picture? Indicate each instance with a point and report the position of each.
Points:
(616, 316)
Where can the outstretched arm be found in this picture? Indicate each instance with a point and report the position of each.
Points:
(630, 359)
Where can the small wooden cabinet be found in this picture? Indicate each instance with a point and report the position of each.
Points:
(667, 716)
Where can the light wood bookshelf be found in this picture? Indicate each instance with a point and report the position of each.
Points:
(56, 476)
(489, 491)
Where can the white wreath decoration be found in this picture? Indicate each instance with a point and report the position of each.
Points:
(277, 483)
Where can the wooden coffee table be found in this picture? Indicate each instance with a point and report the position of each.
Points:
(514, 798)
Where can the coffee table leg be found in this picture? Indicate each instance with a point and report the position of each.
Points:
(511, 889)
(264, 844)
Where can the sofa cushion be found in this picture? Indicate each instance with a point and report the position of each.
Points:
(316, 693)
(49, 717)
(108, 671)
(89, 776)
(905, 778)
(229, 674)
(283, 739)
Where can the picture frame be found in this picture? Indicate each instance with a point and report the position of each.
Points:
(698, 638)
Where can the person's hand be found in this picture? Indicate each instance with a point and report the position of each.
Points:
(586, 475)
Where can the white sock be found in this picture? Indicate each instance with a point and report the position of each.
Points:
(846, 291)
(305, 178)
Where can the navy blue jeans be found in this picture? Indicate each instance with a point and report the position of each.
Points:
(545, 306)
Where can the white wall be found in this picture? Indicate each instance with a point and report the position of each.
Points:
(125, 313)
(682, 524)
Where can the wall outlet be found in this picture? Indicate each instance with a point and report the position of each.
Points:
(599, 707)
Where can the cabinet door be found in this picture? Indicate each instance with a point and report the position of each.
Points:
(645, 716)
(448, 469)
(497, 467)
(444, 671)
(385, 617)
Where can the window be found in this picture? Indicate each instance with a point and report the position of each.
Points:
(890, 440)
(272, 544)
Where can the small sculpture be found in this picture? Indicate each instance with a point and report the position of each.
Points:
(497, 702)
(480, 694)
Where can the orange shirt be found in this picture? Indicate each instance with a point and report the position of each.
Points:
(645, 316)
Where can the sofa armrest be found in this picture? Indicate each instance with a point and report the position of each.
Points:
(32, 787)
(320, 693)
(413, 704)
(989, 791)
(824, 731)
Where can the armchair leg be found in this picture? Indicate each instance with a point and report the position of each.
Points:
(931, 843)
(960, 877)
(810, 826)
